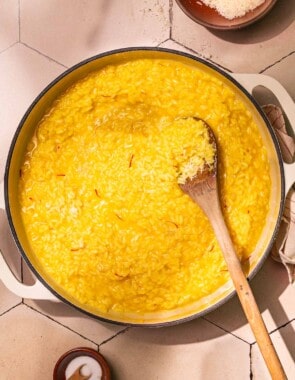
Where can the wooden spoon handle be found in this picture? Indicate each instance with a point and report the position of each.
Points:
(203, 189)
(247, 298)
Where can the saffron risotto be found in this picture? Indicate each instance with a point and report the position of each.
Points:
(99, 192)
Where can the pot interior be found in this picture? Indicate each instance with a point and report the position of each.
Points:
(26, 130)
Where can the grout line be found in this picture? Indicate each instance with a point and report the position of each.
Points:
(162, 42)
(60, 324)
(250, 357)
(123, 331)
(202, 56)
(276, 62)
(280, 327)
(7, 48)
(44, 55)
(170, 18)
(254, 342)
(227, 331)
(18, 20)
(8, 310)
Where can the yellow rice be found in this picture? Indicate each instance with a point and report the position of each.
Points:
(99, 195)
(202, 155)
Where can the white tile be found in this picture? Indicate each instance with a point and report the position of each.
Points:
(24, 75)
(70, 31)
(231, 318)
(170, 44)
(90, 327)
(274, 296)
(9, 23)
(33, 344)
(283, 341)
(195, 350)
(248, 50)
(282, 70)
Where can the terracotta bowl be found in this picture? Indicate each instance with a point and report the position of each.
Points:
(210, 18)
(65, 360)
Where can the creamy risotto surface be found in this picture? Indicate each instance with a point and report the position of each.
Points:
(98, 188)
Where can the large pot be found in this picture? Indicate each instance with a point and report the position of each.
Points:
(281, 176)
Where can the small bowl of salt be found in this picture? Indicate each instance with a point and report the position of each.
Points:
(226, 14)
(82, 364)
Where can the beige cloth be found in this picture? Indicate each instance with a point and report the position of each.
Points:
(284, 247)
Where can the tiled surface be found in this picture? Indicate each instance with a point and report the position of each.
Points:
(76, 321)
(24, 73)
(248, 50)
(283, 340)
(281, 72)
(81, 29)
(38, 40)
(187, 351)
(9, 23)
(33, 357)
(276, 303)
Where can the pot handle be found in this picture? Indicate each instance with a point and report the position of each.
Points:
(37, 291)
(250, 81)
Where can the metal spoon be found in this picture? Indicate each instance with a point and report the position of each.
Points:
(203, 189)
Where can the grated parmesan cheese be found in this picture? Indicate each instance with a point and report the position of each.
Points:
(203, 153)
(231, 9)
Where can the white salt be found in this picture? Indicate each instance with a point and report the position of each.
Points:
(90, 367)
(231, 9)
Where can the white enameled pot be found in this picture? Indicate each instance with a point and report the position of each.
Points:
(282, 175)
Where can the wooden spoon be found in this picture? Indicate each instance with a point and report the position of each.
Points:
(203, 189)
(77, 375)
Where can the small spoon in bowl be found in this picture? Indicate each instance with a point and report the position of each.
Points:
(77, 375)
(202, 187)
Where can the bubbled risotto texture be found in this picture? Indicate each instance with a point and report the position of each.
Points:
(100, 201)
